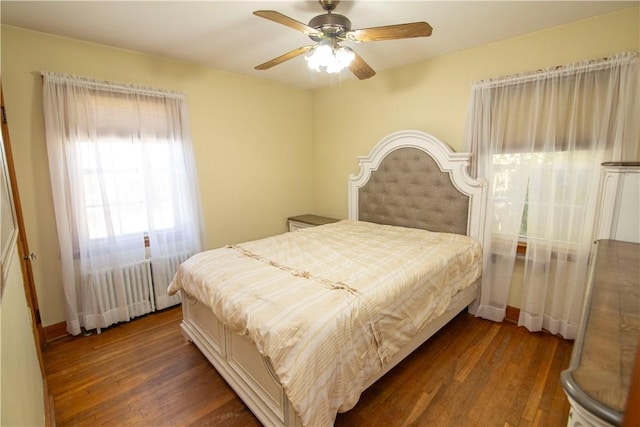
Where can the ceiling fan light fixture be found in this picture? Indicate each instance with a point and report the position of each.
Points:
(327, 30)
(324, 57)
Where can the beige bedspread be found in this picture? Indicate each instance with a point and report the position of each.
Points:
(330, 305)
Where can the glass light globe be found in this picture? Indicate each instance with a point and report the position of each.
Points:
(324, 53)
(344, 56)
(325, 58)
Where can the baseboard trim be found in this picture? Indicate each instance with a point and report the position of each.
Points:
(512, 314)
(55, 331)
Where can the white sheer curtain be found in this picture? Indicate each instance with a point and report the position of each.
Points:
(540, 139)
(124, 190)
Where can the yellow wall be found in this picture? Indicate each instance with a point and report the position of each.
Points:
(265, 151)
(252, 142)
(432, 96)
(22, 387)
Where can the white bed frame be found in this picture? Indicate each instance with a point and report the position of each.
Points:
(248, 372)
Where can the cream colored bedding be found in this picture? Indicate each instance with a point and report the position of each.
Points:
(330, 305)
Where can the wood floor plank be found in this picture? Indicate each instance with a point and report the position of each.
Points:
(453, 403)
(472, 372)
(496, 405)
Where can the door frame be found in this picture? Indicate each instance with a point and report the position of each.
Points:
(24, 253)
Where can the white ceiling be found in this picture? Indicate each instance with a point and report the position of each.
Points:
(225, 35)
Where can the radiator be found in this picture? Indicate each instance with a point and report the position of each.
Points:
(138, 289)
(141, 294)
(174, 262)
(164, 277)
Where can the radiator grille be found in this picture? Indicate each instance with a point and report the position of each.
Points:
(171, 264)
(175, 261)
(140, 294)
(137, 288)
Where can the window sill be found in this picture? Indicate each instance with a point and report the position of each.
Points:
(572, 255)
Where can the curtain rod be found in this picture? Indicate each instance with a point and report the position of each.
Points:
(111, 86)
(559, 70)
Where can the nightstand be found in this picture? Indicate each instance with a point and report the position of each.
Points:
(305, 221)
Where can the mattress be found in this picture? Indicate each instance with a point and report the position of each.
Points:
(330, 305)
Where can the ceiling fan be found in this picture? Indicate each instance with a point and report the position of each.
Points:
(327, 30)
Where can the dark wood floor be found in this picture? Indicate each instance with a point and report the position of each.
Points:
(472, 373)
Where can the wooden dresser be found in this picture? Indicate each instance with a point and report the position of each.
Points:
(598, 379)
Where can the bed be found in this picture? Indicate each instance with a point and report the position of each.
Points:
(301, 323)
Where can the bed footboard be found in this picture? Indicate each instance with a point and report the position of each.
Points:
(250, 375)
(241, 365)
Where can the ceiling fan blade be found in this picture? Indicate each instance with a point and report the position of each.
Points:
(360, 68)
(390, 32)
(282, 58)
(278, 17)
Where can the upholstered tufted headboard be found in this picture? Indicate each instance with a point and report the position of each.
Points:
(412, 179)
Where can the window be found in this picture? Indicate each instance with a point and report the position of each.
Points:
(541, 173)
(114, 185)
(125, 195)
(540, 138)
